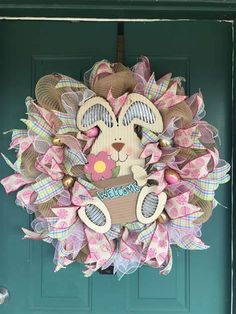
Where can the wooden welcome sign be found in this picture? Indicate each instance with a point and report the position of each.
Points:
(120, 197)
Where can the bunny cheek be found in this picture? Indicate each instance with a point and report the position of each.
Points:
(129, 151)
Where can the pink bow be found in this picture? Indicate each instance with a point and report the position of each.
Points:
(152, 150)
(116, 103)
(66, 216)
(50, 162)
(157, 251)
(101, 250)
(79, 194)
(169, 98)
(178, 206)
(14, 182)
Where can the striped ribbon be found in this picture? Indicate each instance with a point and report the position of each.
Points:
(135, 226)
(73, 158)
(148, 137)
(191, 242)
(205, 188)
(195, 139)
(17, 135)
(186, 222)
(67, 81)
(153, 90)
(145, 235)
(86, 184)
(114, 232)
(46, 189)
(41, 129)
(68, 122)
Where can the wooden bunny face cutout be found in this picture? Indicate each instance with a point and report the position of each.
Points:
(120, 142)
(117, 136)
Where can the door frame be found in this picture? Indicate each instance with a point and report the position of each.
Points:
(144, 11)
(120, 9)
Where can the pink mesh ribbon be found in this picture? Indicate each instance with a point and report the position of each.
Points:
(100, 251)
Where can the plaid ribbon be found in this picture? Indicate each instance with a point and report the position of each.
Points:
(67, 81)
(57, 233)
(190, 242)
(114, 232)
(148, 137)
(186, 222)
(68, 122)
(196, 143)
(205, 188)
(86, 184)
(46, 189)
(17, 135)
(73, 158)
(42, 129)
(135, 226)
(153, 90)
(145, 235)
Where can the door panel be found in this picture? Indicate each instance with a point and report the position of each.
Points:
(199, 281)
(28, 51)
(200, 52)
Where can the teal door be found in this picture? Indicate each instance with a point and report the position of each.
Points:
(200, 281)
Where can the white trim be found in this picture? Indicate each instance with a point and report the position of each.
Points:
(232, 178)
(82, 19)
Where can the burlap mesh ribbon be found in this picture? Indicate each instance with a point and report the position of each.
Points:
(82, 255)
(48, 91)
(206, 208)
(28, 161)
(77, 170)
(120, 82)
(47, 95)
(180, 111)
(45, 208)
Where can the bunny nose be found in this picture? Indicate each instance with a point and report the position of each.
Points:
(118, 146)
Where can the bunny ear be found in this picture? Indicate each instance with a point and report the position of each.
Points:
(95, 112)
(140, 111)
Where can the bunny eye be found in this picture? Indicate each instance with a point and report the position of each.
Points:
(120, 138)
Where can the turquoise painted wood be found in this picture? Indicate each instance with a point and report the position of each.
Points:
(200, 52)
(195, 9)
(200, 281)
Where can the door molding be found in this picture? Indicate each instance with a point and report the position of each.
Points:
(233, 175)
(131, 9)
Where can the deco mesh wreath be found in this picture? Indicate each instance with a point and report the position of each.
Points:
(116, 169)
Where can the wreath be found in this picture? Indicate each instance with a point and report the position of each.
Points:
(116, 169)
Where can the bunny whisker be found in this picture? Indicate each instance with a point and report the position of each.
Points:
(123, 159)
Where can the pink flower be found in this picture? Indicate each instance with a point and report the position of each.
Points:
(162, 243)
(152, 253)
(62, 213)
(99, 166)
